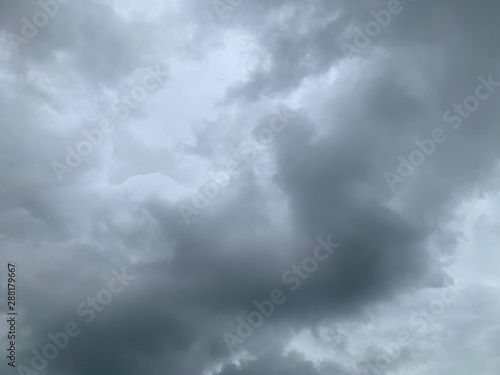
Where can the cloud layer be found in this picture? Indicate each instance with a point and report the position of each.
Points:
(225, 71)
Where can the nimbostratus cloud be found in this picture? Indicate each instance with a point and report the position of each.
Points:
(353, 116)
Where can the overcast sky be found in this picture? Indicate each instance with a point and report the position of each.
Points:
(249, 187)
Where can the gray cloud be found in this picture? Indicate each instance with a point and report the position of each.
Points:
(354, 117)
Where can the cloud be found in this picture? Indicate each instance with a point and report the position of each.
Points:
(322, 174)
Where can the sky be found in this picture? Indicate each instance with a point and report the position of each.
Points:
(248, 187)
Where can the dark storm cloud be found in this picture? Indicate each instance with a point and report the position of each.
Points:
(194, 280)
